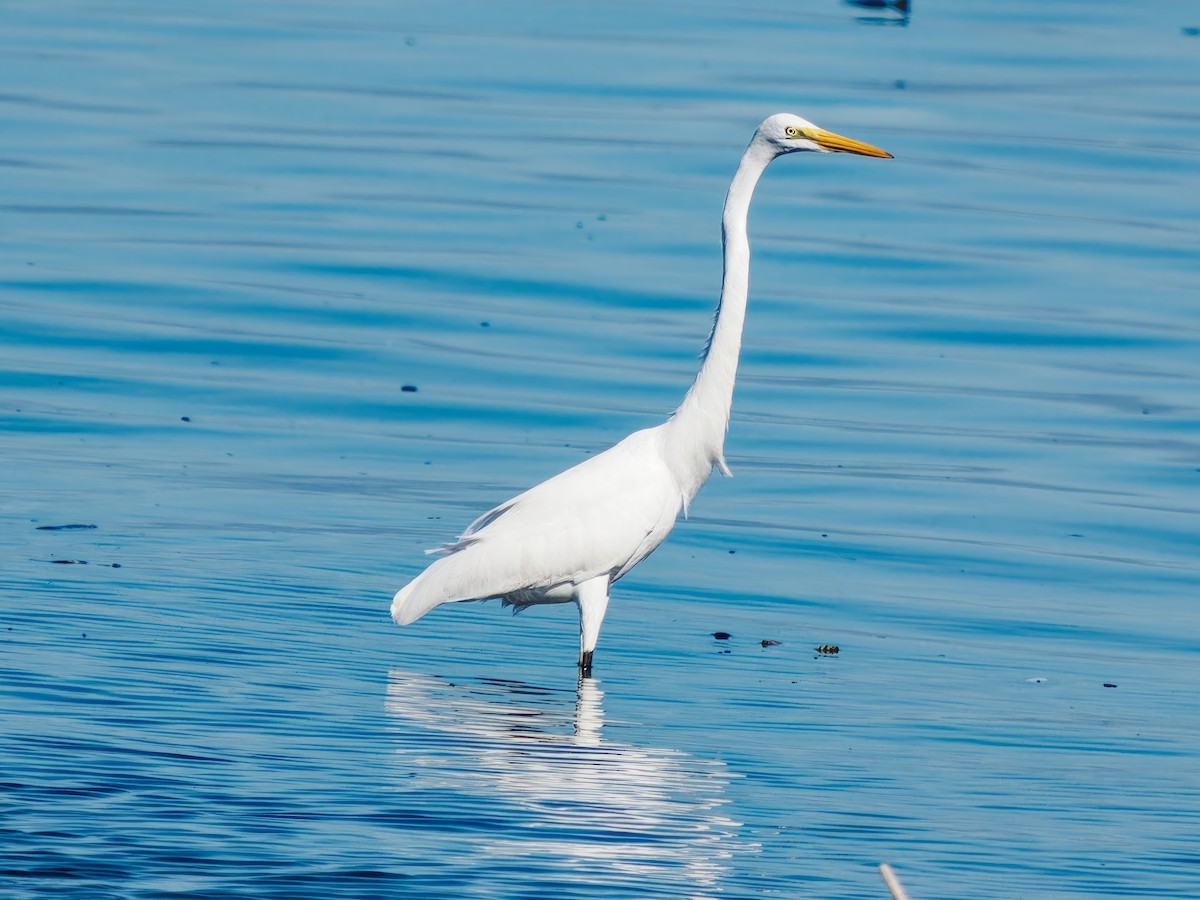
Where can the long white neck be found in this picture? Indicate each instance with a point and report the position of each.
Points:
(696, 431)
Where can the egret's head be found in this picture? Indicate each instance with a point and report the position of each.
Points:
(785, 133)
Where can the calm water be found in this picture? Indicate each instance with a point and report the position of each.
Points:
(966, 443)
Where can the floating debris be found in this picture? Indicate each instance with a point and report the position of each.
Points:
(409, 388)
(1109, 684)
(72, 527)
(69, 562)
(769, 643)
(722, 635)
(903, 7)
(895, 888)
(829, 649)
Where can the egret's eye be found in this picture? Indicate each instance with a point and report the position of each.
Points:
(793, 132)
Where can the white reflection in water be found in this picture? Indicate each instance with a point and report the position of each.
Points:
(589, 808)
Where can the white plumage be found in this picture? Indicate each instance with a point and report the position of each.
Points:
(599, 518)
(570, 537)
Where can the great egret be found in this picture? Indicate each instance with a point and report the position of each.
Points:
(569, 538)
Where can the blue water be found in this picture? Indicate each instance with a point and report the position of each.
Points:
(966, 445)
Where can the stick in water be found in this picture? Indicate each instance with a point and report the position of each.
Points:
(892, 882)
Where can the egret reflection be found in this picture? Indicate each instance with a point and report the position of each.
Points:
(572, 803)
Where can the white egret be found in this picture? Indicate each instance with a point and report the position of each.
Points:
(569, 538)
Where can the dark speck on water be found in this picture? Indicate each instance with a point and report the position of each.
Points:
(722, 635)
(64, 527)
(410, 388)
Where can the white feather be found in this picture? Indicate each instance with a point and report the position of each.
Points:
(601, 517)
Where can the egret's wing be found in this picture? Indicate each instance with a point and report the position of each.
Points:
(602, 516)
(486, 519)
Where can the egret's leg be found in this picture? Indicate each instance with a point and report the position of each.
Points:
(592, 597)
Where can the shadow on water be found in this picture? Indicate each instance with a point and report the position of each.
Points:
(532, 782)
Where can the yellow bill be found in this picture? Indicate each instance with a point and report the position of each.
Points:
(835, 143)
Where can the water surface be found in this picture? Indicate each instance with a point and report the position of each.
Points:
(965, 443)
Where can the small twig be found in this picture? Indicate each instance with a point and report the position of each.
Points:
(892, 882)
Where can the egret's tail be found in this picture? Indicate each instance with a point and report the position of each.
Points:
(442, 582)
(412, 601)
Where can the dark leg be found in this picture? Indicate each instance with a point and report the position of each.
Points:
(585, 664)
